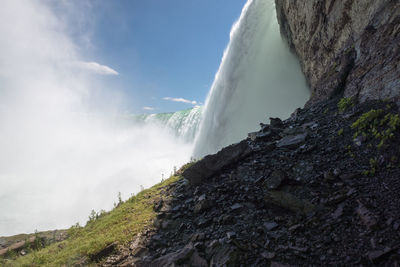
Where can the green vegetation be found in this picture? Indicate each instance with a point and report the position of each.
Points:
(340, 132)
(345, 103)
(120, 225)
(378, 123)
(373, 163)
(350, 152)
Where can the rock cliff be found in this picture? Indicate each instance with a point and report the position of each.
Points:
(349, 46)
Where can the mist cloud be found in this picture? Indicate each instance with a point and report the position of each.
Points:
(64, 151)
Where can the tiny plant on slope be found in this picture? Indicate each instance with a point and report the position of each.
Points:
(345, 103)
(376, 122)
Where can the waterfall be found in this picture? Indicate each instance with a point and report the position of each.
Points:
(183, 124)
(258, 78)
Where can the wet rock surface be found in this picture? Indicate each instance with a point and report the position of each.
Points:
(309, 204)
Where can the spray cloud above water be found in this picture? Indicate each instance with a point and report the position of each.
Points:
(61, 152)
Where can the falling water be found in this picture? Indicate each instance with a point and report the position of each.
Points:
(258, 78)
(182, 124)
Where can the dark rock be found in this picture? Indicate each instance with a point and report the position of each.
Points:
(292, 141)
(278, 264)
(301, 249)
(348, 176)
(311, 125)
(270, 225)
(252, 135)
(165, 224)
(375, 256)
(329, 176)
(205, 168)
(289, 201)
(204, 222)
(259, 135)
(158, 205)
(268, 255)
(139, 251)
(198, 237)
(366, 216)
(202, 206)
(338, 212)
(276, 122)
(231, 235)
(236, 206)
(396, 226)
(199, 246)
(226, 219)
(211, 248)
(225, 256)
(104, 252)
(197, 261)
(174, 258)
(275, 179)
(295, 227)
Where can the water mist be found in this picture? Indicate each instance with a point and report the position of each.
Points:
(64, 152)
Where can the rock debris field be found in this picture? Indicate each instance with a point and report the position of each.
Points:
(300, 192)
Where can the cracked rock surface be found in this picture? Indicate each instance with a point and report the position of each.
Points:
(348, 45)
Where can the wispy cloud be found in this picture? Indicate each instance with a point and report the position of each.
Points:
(180, 99)
(97, 68)
(148, 108)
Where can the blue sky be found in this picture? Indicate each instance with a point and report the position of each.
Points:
(159, 48)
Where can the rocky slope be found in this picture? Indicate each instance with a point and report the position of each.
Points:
(350, 45)
(25, 243)
(303, 192)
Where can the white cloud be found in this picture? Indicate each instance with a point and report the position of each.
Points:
(97, 68)
(179, 99)
(148, 108)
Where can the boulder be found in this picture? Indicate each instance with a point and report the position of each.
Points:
(103, 252)
(209, 165)
(366, 216)
(276, 122)
(289, 201)
(174, 258)
(292, 141)
(275, 179)
(187, 256)
(224, 255)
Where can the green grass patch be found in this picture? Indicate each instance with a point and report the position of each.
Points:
(119, 225)
(378, 123)
(345, 103)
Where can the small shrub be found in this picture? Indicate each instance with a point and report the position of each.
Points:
(377, 124)
(373, 163)
(340, 132)
(345, 103)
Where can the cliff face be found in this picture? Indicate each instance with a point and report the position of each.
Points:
(349, 46)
